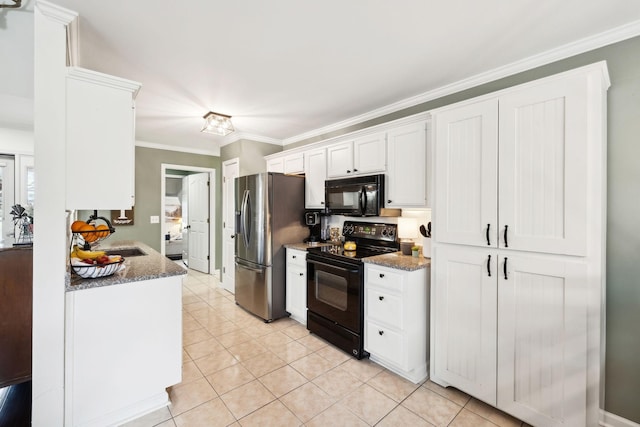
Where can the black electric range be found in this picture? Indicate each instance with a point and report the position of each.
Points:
(335, 284)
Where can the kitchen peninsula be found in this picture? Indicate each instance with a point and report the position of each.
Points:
(123, 344)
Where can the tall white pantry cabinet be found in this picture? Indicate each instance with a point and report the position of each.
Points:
(518, 255)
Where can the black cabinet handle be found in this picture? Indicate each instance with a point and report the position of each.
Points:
(489, 266)
(381, 275)
(506, 244)
(388, 201)
(380, 332)
(233, 236)
(294, 256)
(348, 171)
(380, 297)
(488, 241)
(302, 274)
(355, 170)
(505, 268)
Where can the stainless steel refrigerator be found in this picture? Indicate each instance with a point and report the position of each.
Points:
(269, 214)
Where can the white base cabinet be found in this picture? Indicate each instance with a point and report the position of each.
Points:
(123, 348)
(518, 247)
(396, 331)
(296, 287)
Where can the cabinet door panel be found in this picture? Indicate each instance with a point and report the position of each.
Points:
(369, 154)
(407, 166)
(465, 320)
(542, 340)
(340, 159)
(276, 165)
(466, 174)
(543, 168)
(315, 173)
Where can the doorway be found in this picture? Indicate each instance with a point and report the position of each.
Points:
(230, 171)
(7, 200)
(193, 242)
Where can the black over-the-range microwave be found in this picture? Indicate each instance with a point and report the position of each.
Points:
(357, 196)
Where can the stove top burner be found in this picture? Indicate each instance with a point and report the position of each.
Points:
(360, 252)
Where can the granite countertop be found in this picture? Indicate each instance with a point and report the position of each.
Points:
(137, 268)
(399, 261)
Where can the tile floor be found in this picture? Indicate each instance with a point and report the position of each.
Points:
(240, 371)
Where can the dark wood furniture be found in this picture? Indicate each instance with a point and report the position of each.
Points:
(16, 297)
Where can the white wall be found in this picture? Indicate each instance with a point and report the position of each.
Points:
(14, 141)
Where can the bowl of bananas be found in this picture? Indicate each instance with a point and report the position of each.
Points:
(94, 264)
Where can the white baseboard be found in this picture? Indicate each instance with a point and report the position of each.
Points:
(608, 419)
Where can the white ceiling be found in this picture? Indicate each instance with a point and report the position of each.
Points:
(285, 69)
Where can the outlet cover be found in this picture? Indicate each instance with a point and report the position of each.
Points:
(154, 219)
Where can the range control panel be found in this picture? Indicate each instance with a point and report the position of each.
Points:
(370, 230)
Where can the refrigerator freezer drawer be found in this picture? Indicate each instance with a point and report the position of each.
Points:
(254, 289)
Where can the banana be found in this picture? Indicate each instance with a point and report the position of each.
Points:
(82, 254)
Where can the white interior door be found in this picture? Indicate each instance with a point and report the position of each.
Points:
(230, 171)
(184, 202)
(7, 199)
(198, 226)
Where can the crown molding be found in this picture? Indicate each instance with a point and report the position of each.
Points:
(562, 52)
(55, 12)
(104, 79)
(237, 136)
(166, 147)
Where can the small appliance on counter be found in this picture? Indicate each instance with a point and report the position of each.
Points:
(317, 223)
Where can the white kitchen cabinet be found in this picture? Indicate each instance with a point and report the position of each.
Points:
(315, 174)
(360, 156)
(540, 202)
(296, 286)
(406, 180)
(294, 163)
(519, 247)
(396, 320)
(100, 143)
(275, 165)
(120, 358)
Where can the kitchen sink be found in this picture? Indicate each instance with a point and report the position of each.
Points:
(126, 252)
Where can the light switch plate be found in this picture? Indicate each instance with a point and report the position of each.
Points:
(154, 219)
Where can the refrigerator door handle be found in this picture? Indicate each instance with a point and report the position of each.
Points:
(245, 227)
(249, 267)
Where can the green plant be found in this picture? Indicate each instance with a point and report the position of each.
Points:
(415, 248)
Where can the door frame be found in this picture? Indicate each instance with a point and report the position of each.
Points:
(225, 284)
(212, 212)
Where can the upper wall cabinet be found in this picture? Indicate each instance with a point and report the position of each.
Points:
(363, 155)
(100, 146)
(407, 167)
(290, 164)
(315, 173)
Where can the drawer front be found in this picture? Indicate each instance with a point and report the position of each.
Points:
(385, 343)
(384, 307)
(387, 278)
(295, 257)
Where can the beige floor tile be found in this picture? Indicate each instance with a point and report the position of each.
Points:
(307, 401)
(312, 366)
(337, 382)
(185, 356)
(450, 393)
(274, 340)
(275, 414)
(402, 417)
(188, 396)
(292, 351)
(246, 350)
(234, 338)
(247, 398)
(363, 369)
(218, 329)
(151, 419)
(333, 354)
(392, 385)
(368, 404)
(467, 418)
(229, 378)
(190, 372)
(432, 407)
(263, 363)
(168, 423)
(203, 348)
(296, 331)
(492, 414)
(194, 306)
(282, 381)
(312, 342)
(195, 336)
(190, 298)
(255, 328)
(210, 414)
(215, 362)
(336, 416)
(190, 324)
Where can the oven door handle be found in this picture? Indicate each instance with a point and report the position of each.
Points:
(350, 269)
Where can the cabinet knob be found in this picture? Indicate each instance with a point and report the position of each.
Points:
(233, 236)
(294, 256)
(380, 297)
(381, 332)
(322, 203)
(388, 201)
(381, 275)
(355, 170)
(348, 171)
(302, 274)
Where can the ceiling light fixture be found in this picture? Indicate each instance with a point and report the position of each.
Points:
(218, 124)
(16, 4)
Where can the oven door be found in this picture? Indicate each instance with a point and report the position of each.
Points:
(334, 291)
